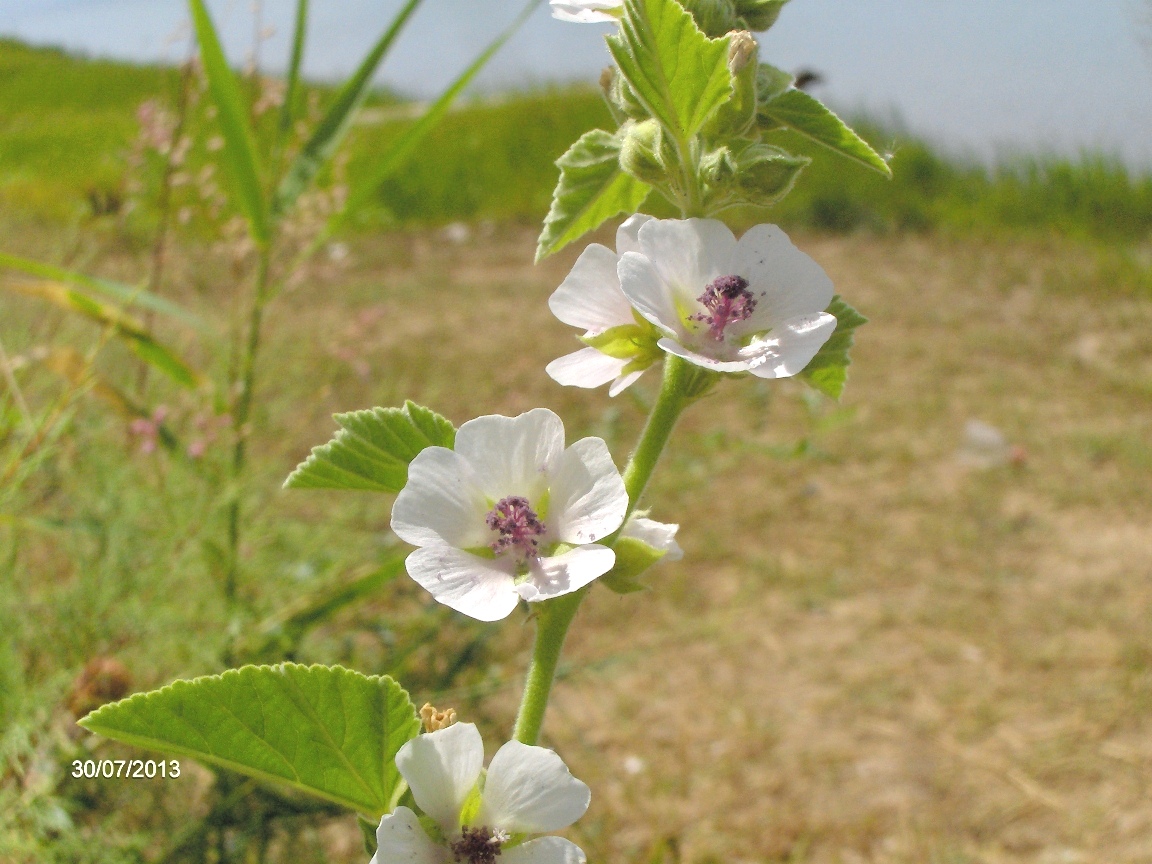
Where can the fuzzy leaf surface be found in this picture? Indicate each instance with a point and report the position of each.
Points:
(679, 74)
(372, 450)
(591, 189)
(811, 118)
(828, 370)
(323, 730)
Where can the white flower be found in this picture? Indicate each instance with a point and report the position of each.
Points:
(621, 345)
(509, 514)
(587, 11)
(750, 305)
(527, 790)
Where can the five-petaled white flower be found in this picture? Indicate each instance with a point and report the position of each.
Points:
(527, 790)
(750, 305)
(621, 344)
(509, 513)
(587, 11)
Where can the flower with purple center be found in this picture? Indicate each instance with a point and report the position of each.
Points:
(750, 305)
(621, 344)
(478, 817)
(587, 11)
(509, 514)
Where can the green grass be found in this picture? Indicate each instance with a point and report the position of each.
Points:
(69, 123)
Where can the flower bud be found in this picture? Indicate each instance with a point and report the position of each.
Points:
(765, 174)
(736, 116)
(718, 168)
(621, 95)
(641, 153)
(759, 14)
(714, 17)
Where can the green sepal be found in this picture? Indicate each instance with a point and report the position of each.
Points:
(470, 809)
(627, 342)
(591, 189)
(765, 174)
(828, 370)
(633, 557)
(373, 449)
(368, 832)
(759, 14)
(435, 832)
(808, 116)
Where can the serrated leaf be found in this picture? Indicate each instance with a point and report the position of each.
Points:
(334, 125)
(828, 370)
(239, 153)
(809, 117)
(679, 74)
(591, 189)
(326, 731)
(372, 450)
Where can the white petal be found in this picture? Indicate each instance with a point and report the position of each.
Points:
(530, 790)
(441, 768)
(512, 455)
(790, 347)
(658, 535)
(563, 574)
(481, 588)
(590, 296)
(588, 499)
(584, 11)
(688, 254)
(624, 382)
(674, 347)
(585, 368)
(785, 282)
(641, 283)
(627, 235)
(401, 840)
(544, 850)
(440, 503)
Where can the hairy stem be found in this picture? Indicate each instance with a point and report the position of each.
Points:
(553, 617)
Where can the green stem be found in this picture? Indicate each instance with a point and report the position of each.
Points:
(553, 617)
(552, 620)
(240, 416)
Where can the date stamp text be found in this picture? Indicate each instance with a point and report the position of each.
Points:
(131, 769)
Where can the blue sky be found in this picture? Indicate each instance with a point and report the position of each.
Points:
(980, 77)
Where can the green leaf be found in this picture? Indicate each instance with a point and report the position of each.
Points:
(235, 125)
(393, 157)
(135, 335)
(292, 82)
(828, 370)
(127, 295)
(809, 117)
(372, 450)
(591, 189)
(679, 74)
(330, 131)
(323, 730)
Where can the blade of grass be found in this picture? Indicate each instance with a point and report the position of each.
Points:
(235, 125)
(128, 295)
(394, 156)
(286, 110)
(332, 128)
(135, 335)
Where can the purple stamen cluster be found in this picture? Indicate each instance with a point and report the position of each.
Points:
(476, 846)
(727, 299)
(518, 525)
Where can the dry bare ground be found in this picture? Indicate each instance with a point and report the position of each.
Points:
(919, 643)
